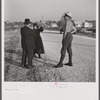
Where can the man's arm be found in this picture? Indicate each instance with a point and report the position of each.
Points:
(66, 29)
(33, 32)
(74, 30)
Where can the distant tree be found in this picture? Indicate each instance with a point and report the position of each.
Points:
(59, 23)
(48, 23)
(54, 21)
(5, 22)
(16, 23)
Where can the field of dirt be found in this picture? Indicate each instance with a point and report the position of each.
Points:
(13, 72)
(43, 70)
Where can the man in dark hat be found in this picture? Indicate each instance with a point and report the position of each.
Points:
(67, 24)
(27, 43)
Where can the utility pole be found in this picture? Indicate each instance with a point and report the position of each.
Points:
(42, 19)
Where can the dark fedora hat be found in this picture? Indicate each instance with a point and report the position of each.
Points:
(27, 21)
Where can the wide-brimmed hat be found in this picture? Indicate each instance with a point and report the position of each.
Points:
(27, 21)
(68, 14)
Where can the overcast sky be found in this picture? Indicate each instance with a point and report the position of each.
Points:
(18, 10)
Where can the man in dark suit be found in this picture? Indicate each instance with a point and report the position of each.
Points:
(27, 43)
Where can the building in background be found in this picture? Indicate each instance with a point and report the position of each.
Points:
(54, 25)
(90, 24)
(78, 24)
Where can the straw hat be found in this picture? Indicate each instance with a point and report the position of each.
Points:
(68, 14)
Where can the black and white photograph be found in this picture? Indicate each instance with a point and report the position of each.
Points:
(48, 41)
(52, 41)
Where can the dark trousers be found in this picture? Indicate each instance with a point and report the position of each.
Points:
(26, 53)
(66, 46)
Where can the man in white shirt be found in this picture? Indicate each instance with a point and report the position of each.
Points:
(67, 39)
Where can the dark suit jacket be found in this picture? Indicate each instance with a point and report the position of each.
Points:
(27, 38)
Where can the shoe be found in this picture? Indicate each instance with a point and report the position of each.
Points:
(23, 66)
(58, 65)
(29, 66)
(34, 56)
(69, 64)
(39, 55)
